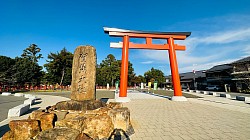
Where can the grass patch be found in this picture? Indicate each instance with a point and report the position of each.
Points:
(168, 93)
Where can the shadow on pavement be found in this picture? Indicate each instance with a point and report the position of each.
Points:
(105, 100)
(31, 110)
(3, 129)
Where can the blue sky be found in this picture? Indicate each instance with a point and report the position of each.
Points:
(220, 29)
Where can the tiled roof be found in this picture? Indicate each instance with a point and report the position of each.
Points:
(246, 59)
(219, 68)
(191, 75)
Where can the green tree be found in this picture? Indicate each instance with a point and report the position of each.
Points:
(32, 53)
(154, 75)
(59, 67)
(109, 71)
(25, 71)
(6, 63)
(137, 80)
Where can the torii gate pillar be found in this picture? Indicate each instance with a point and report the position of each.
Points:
(171, 47)
(124, 68)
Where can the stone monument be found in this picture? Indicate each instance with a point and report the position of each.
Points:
(83, 74)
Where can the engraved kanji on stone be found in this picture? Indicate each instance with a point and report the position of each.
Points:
(79, 89)
(83, 67)
(83, 57)
(82, 78)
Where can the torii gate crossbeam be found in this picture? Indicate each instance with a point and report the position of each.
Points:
(170, 46)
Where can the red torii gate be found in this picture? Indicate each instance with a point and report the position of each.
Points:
(170, 46)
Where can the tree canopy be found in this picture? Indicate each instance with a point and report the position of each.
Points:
(26, 71)
(32, 53)
(20, 71)
(59, 67)
(154, 75)
(108, 71)
(6, 64)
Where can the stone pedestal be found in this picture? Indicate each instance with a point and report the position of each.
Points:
(179, 98)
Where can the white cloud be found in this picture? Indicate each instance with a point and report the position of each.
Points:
(147, 62)
(226, 36)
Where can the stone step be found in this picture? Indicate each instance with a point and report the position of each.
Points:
(6, 93)
(30, 96)
(18, 110)
(29, 101)
(18, 94)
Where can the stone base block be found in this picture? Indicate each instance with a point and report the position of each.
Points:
(247, 100)
(99, 126)
(24, 129)
(58, 133)
(122, 99)
(215, 94)
(18, 110)
(179, 98)
(6, 93)
(80, 105)
(206, 92)
(18, 94)
(120, 118)
(229, 96)
(29, 101)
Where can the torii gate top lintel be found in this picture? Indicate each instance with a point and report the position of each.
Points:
(144, 34)
(170, 46)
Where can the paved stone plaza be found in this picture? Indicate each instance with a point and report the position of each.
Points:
(159, 118)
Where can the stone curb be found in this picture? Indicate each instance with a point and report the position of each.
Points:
(22, 108)
(18, 94)
(6, 94)
(225, 95)
(18, 110)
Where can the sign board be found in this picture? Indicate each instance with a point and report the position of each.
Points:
(155, 85)
(116, 85)
(142, 87)
(149, 85)
(107, 86)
